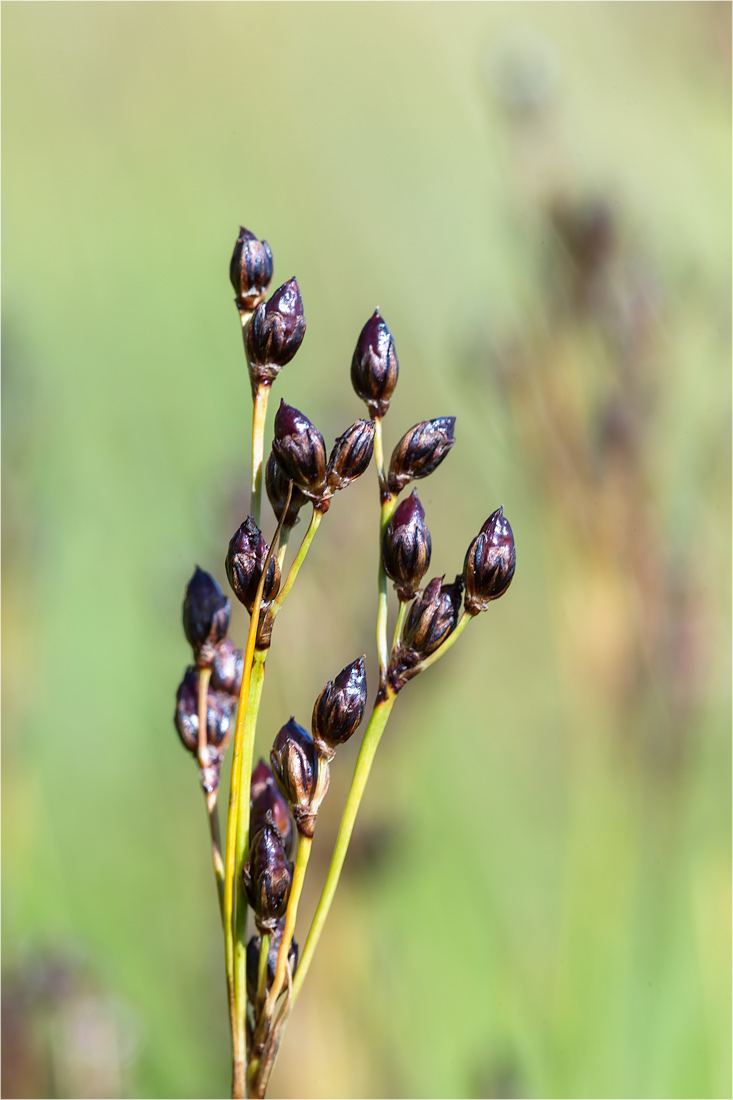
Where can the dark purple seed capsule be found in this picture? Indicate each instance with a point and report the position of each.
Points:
(276, 485)
(490, 563)
(420, 451)
(300, 452)
(351, 455)
(267, 876)
(250, 269)
(205, 616)
(267, 805)
(276, 331)
(226, 674)
(301, 779)
(339, 708)
(244, 562)
(374, 366)
(431, 619)
(406, 547)
(220, 708)
(253, 960)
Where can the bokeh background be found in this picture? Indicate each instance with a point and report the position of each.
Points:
(538, 198)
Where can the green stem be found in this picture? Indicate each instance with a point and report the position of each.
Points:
(299, 559)
(259, 413)
(262, 970)
(282, 548)
(401, 614)
(388, 503)
(296, 888)
(374, 731)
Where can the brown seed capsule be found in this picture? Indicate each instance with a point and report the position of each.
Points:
(275, 333)
(351, 455)
(406, 547)
(490, 563)
(226, 674)
(267, 876)
(268, 805)
(276, 485)
(244, 562)
(253, 960)
(431, 618)
(301, 453)
(339, 708)
(300, 776)
(205, 616)
(250, 269)
(420, 451)
(374, 367)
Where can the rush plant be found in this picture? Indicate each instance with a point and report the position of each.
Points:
(272, 807)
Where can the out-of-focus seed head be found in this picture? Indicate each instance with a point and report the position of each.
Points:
(301, 453)
(406, 547)
(351, 454)
(431, 618)
(226, 674)
(339, 708)
(300, 776)
(220, 707)
(420, 451)
(267, 876)
(267, 805)
(490, 563)
(253, 960)
(250, 269)
(276, 485)
(374, 367)
(244, 562)
(275, 333)
(205, 616)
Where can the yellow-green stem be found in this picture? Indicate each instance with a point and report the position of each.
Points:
(213, 816)
(374, 731)
(298, 561)
(203, 755)
(301, 863)
(259, 413)
(262, 969)
(388, 503)
(282, 548)
(401, 613)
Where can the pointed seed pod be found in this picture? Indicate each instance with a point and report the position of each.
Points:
(267, 805)
(431, 618)
(244, 561)
(351, 454)
(299, 775)
(406, 547)
(250, 269)
(374, 366)
(339, 708)
(275, 333)
(267, 876)
(220, 708)
(420, 451)
(300, 452)
(205, 616)
(490, 563)
(276, 485)
(226, 674)
(253, 960)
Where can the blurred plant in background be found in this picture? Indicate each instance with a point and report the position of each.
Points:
(553, 246)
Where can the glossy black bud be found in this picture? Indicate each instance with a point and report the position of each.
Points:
(339, 708)
(267, 806)
(300, 452)
(420, 451)
(490, 563)
(205, 616)
(275, 332)
(244, 562)
(276, 485)
(374, 367)
(250, 269)
(299, 775)
(406, 547)
(220, 707)
(253, 960)
(267, 876)
(226, 674)
(431, 618)
(351, 454)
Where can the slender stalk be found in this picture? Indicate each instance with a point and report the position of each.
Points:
(282, 548)
(213, 816)
(401, 614)
(203, 753)
(388, 503)
(298, 561)
(259, 413)
(374, 731)
(262, 969)
(296, 888)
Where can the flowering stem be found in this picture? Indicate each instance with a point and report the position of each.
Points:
(298, 561)
(374, 731)
(388, 502)
(259, 412)
(401, 614)
(301, 863)
(262, 970)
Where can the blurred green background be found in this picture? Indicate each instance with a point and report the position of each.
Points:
(538, 198)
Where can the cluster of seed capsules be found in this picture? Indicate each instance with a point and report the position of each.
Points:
(300, 471)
